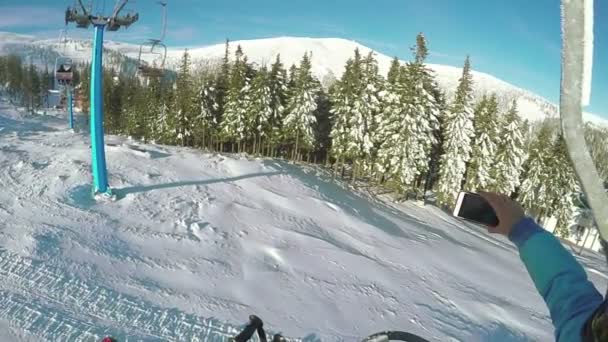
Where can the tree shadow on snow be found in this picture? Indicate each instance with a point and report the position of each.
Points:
(23, 128)
(368, 209)
(121, 193)
(498, 332)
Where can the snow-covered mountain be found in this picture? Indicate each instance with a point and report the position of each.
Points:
(328, 58)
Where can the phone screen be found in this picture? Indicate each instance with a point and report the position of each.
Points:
(475, 208)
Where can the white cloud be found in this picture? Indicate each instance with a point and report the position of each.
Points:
(186, 33)
(30, 16)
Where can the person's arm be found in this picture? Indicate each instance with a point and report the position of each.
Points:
(558, 277)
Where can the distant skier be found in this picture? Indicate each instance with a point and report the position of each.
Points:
(575, 305)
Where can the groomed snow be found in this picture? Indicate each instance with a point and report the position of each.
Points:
(196, 242)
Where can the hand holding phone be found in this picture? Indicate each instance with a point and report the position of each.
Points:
(476, 208)
(507, 211)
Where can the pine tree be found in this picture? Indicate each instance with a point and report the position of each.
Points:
(207, 119)
(3, 73)
(235, 109)
(394, 71)
(32, 88)
(323, 127)
(457, 140)
(534, 192)
(16, 75)
(184, 102)
(357, 106)
(393, 128)
(424, 107)
(222, 83)
(597, 140)
(342, 98)
(260, 110)
(483, 154)
(370, 104)
(562, 187)
(510, 153)
(111, 100)
(437, 149)
(84, 88)
(301, 106)
(278, 93)
(45, 85)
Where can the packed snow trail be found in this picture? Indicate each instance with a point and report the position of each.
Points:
(197, 242)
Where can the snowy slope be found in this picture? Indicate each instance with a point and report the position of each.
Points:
(197, 242)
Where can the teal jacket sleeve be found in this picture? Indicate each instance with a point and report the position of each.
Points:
(558, 277)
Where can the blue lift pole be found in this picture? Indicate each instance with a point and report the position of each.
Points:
(100, 174)
(83, 19)
(70, 108)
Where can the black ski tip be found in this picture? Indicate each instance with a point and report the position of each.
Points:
(109, 339)
(255, 321)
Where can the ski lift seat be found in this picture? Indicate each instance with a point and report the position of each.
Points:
(64, 73)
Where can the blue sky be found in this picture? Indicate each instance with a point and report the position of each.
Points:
(517, 41)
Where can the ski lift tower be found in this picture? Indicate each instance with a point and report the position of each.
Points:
(83, 19)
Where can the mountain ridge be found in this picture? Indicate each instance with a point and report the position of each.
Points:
(328, 58)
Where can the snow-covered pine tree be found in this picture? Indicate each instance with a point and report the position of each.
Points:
(394, 71)
(222, 83)
(113, 108)
(483, 154)
(597, 140)
(533, 192)
(3, 73)
(185, 100)
(164, 123)
(437, 149)
(16, 79)
(32, 89)
(342, 98)
(206, 120)
(390, 123)
(154, 100)
(398, 143)
(510, 153)
(562, 187)
(84, 89)
(260, 110)
(301, 106)
(45, 84)
(424, 108)
(139, 112)
(458, 133)
(369, 105)
(293, 75)
(278, 93)
(233, 125)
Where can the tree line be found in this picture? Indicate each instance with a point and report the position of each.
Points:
(397, 131)
(25, 83)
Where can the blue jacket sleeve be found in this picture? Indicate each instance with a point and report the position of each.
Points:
(558, 277)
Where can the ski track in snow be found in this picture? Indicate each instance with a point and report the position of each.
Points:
(196, 242)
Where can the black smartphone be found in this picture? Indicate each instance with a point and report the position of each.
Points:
(473, 207)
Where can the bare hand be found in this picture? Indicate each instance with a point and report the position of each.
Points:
(507, 210)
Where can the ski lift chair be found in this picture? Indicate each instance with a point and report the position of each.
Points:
(64, 73)
(157, 49)
(82, 20)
